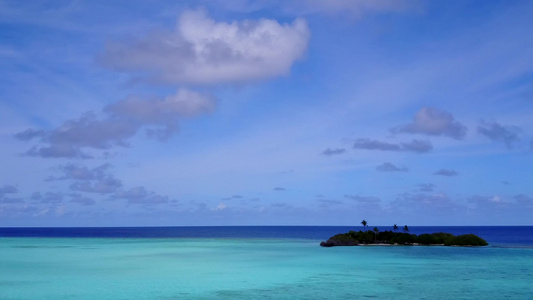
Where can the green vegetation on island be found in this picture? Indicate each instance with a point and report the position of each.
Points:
(375, 236)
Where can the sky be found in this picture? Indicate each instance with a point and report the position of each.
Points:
(250, 112)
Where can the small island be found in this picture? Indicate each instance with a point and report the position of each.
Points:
(394, 237)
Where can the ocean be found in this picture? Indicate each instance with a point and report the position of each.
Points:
(265, 262)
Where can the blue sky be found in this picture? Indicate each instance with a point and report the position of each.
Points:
(134, 113)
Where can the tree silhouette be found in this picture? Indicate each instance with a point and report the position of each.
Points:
(364, 224)
(395, 227)
(405, 229)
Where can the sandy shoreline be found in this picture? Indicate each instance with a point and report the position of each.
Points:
(414, 244)
(383, 244)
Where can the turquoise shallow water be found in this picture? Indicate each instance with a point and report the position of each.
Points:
(185, 268)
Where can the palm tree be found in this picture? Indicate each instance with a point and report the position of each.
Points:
(395, 227)
(364, 224)
(376, 230)
(405, 229)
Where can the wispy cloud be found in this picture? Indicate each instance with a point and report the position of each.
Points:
(426, 187)
(330, 202)
(389, 167)
(508, 134)
(221, 206)
(280, 205)
(104, 185)
(362, 199)
(432, 121)
(446, 172)
(369, 144)
(8, 189)
(6, 193)
(140, 195)
(418, 146)
(48, 197)
(82, 200)
(124, 119)
(435, 204)
(11, 200)
(524, 199)
(505, 205)
(80, 172)
(97, 180)
(331, 152)
(233, 197)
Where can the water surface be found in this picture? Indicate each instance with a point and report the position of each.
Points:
(255, 268)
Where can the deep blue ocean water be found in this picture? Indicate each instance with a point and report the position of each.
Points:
(270, 262)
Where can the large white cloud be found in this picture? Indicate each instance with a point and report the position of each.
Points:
(202, 51)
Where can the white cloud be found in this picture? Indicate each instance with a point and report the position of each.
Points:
(221, 206)
(204, 52)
